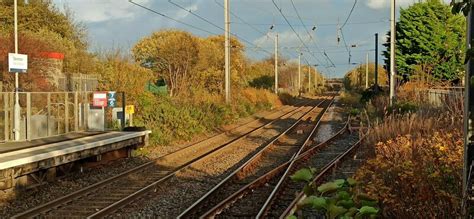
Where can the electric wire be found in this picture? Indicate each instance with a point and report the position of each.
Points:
(350, 13)
(239, 18)
(319, 24)
(309, 34)
(215, 25)
(173, 19)
(292, 28)
(342, 31)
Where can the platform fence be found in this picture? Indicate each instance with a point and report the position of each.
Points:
(46, 114)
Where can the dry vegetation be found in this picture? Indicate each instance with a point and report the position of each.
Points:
(416, 165)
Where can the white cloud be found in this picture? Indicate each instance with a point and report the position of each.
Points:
(100, 10)
(382, 4)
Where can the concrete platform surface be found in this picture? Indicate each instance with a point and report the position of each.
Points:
(18, 145)
(33, 153)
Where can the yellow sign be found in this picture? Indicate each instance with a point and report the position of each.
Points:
(129, 109)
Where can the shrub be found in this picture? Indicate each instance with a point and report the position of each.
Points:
(403, 107)
(337, 199)
(183, 117)
(416, 171)
(351, 99)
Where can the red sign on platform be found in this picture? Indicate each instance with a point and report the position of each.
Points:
(99, 99)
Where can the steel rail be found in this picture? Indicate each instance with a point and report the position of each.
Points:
(326, 170)
(262, 180)
(87, 190)
(285, 175)
(243, 167)
(126, 200)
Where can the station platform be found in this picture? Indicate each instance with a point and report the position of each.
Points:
(31, 162)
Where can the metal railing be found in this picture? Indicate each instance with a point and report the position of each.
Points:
(45, 114)
(440, 97)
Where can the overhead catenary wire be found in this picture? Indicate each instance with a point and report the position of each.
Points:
(319, 24)
(242, 20)
(350, 13)
(309, 34)
(342, 32)
(258, 46)
(215, 25)
(173, 19)
(293, 29)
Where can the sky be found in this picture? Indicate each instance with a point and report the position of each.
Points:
(120, 24)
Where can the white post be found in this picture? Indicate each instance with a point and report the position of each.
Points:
(227, 50)
(16, 124)
(367, 71)
(316, 78)
(276, 63)
(299, 73)
(392, 52)
(315, 83)
(309, 79)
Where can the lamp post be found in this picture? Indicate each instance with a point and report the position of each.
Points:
(316, 76)
(392, 52)
(16, 113)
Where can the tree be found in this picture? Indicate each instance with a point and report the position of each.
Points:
(209, 70)
(430, 40)
(355, 78)
(42, 29)
(172, 54)
(121, 74)
(42, 14)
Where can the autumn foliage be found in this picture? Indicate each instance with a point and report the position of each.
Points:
(417, 159)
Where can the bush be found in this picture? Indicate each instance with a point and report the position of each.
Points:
(416, 169)
(181, 118)
(351, 99)
(337, 199)
(403, 107)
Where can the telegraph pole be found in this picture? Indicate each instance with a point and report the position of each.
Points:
(299, 73)
(315, 77)
(276, 63)
(16, 124)
(227, 50)
(392, 52)
(468, 107)
(309, 78)
(376, 82)
(367, 71)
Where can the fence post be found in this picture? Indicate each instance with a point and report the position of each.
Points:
(10, 106)
(86, 111)
(123, 110)
(48, 123)
(76, 108)
(28, 116)
(66, 112)
(6, 123)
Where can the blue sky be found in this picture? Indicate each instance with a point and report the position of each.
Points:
(118, 23)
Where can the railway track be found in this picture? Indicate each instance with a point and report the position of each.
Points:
(276, 152)
(109, 195)
(341, 166)
(274, 194)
